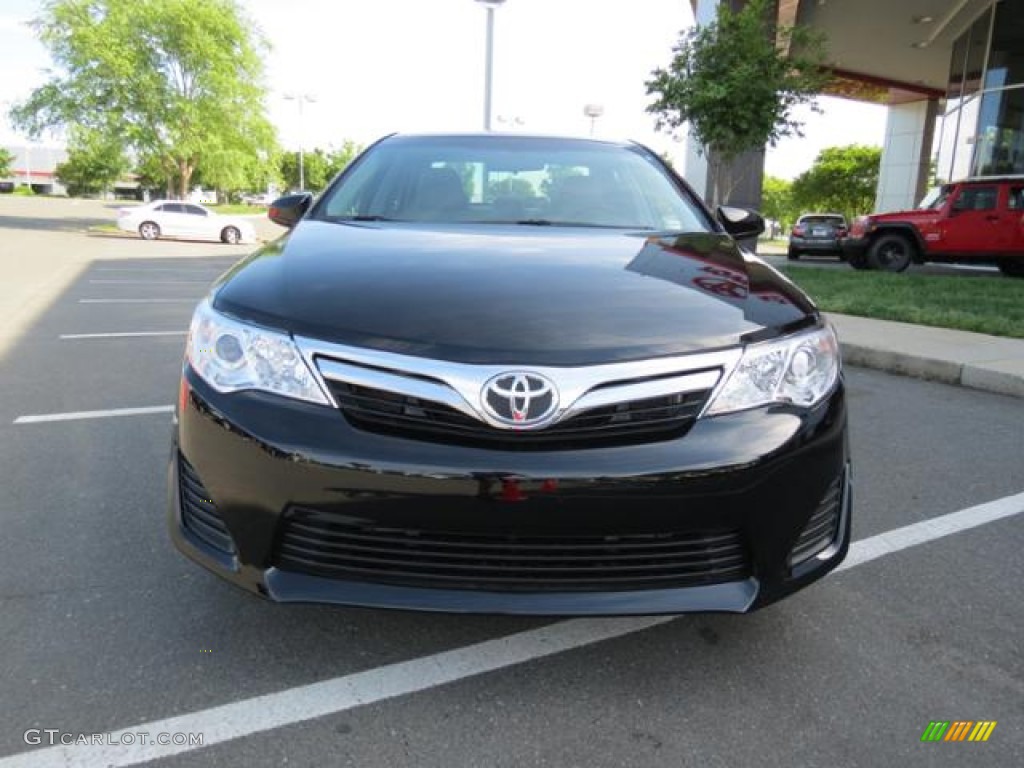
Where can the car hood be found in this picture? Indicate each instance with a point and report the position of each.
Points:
(525, 295)
(917, 213)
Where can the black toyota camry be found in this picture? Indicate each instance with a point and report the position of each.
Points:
(511, 374)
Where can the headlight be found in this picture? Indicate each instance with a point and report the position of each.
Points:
(231, 356)
(800, 369)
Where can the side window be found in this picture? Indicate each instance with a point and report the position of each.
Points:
(1016, 199)
(195, 210)
(976, 199)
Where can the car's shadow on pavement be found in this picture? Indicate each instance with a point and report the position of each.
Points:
(64, 224)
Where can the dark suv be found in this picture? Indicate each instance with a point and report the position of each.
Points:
(975, 220)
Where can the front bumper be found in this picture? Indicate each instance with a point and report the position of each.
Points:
(730, 501)
(854, 247)
(815, 245)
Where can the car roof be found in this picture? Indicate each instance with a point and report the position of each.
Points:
(1010, 177)
(821, 215)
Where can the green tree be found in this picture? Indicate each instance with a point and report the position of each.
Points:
(6, 162)
(735, 82)
(338, 159)
(777, 201)
(175, 82)
(319, 165)
(842, 180)
(94, 162)
(314, 167)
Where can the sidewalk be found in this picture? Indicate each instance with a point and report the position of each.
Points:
(990, 363)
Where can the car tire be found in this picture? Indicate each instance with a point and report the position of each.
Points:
(230, 235)
(1012, 268)
(891, 253)
(149, 230)
(793, 254)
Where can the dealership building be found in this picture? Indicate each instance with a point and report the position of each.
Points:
(951, 73)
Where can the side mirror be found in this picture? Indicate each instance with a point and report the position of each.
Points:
(741, 223)
(287, 210)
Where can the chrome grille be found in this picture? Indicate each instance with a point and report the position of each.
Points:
(647, 420)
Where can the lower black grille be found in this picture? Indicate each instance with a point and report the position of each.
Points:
(335, 546)
(823, 527)
(637, 421)
(198, 513)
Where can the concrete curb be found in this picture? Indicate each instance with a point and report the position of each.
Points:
(982, 377)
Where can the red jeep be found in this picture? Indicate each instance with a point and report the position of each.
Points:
(975, 220)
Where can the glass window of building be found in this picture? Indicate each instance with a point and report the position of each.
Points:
(1006, 59)
(977, 44)
(999, 141)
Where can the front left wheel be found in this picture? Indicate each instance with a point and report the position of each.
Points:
(891, 253)
(231, 235)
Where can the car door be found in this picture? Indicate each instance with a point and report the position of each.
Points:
(971, 226)
(197, 221)
(169, 218)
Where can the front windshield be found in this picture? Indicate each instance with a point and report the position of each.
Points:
(935, 198)
(511, 180)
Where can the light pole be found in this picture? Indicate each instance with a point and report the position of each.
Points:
(301, 98)
(593, 111)
(489, 59)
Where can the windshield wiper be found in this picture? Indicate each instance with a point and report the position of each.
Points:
(362, 217)
(550, 223)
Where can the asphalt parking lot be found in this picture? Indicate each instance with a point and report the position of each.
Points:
(107, 630)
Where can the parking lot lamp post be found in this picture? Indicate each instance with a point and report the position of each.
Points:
(300, 98)
(489, 59)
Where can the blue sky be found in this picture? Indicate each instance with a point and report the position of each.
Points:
(378, 66)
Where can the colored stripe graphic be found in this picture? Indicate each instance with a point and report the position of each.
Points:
(958, 730)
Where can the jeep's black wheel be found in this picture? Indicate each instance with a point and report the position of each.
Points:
(792, 254)
(1012, 268)
(891, 253)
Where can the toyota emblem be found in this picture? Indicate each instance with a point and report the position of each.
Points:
(520, 399)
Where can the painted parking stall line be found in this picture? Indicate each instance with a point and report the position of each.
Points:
(43, 418)
(148, 282)
(140, 301)
(307, 702)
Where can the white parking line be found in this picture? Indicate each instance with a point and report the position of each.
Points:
(139, 301)
(186, 268)
(121, 335)
(306, 702)
(79, 415)
(149, 282)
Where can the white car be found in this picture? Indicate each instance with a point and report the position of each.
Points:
(169, 218)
